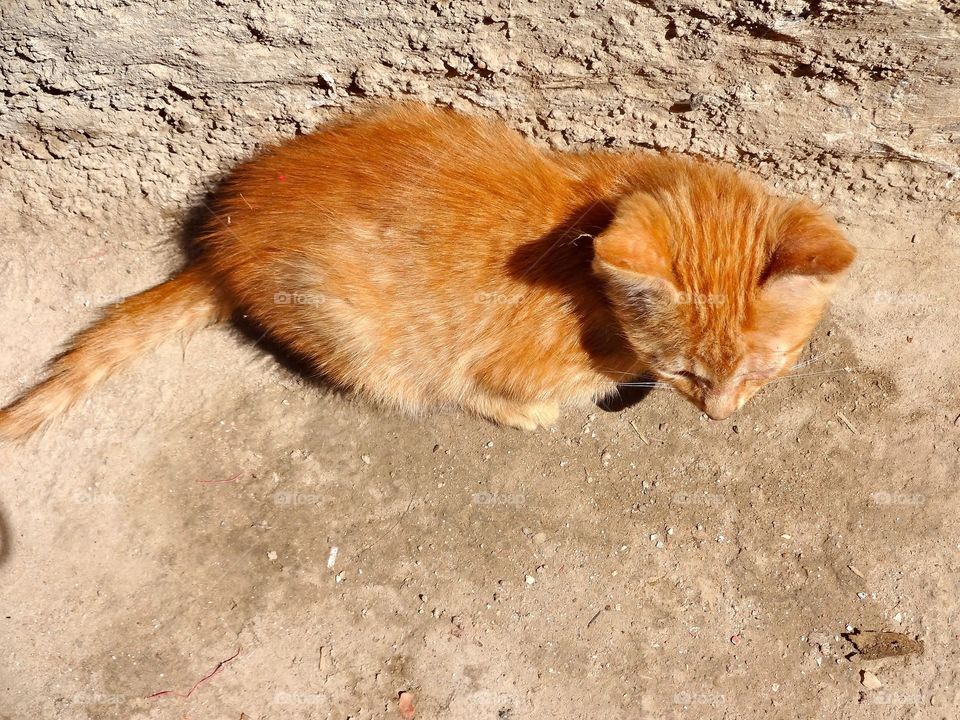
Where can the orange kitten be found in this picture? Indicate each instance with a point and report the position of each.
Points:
(425, 258)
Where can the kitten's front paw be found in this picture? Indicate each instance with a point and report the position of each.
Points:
(527, 417)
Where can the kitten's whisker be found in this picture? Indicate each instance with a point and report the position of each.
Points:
(611, 371)
(806, 362)
(823, 372)
(657, 386)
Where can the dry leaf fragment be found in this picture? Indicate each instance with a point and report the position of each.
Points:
(876, 644)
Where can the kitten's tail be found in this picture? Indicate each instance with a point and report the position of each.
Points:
(130, 328)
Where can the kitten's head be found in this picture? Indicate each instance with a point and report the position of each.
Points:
(717, 284)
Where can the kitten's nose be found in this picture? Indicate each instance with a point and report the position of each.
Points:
(720, 407)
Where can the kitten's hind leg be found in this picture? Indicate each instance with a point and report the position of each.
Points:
(524, 416)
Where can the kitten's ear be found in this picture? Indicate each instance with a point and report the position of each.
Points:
(808, 244)
(809, 256)
(633, 250)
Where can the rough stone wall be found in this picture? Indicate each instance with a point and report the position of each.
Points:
(109, 104)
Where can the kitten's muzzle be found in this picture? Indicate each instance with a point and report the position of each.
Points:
(720, 406)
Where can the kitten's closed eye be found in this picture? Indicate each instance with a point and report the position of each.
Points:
(689, 375)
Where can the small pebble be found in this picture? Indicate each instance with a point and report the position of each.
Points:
(870, 681)
(529, 579)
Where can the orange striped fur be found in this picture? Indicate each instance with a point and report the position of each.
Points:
(426, 258)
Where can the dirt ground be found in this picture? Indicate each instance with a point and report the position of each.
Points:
(212, 510)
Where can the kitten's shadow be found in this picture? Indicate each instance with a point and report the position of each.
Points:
(627, 396)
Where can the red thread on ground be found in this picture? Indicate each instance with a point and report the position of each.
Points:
(232, 478)
(199, 682)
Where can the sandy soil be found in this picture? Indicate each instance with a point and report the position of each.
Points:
(646, 563)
